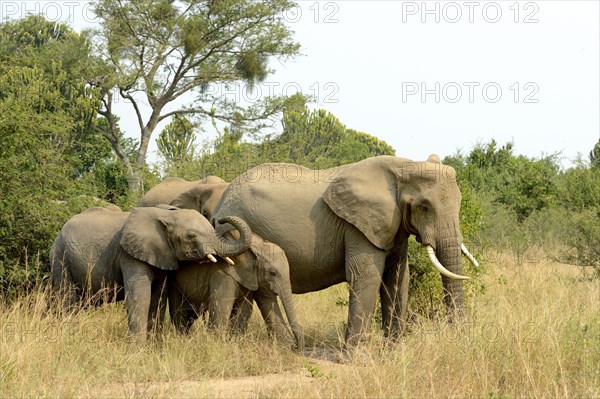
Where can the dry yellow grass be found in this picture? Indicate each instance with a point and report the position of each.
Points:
(534, 332)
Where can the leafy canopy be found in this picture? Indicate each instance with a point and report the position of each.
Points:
(156, 51)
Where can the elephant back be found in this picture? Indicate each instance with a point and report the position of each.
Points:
(83, 247)
(167, 190)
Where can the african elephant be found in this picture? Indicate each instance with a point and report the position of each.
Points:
(201, 195)
(352, 224)
(100, 248)
(261, 272)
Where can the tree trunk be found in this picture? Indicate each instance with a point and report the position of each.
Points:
(135, 181)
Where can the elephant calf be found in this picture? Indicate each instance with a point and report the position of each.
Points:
(261, 272)
(130, 254)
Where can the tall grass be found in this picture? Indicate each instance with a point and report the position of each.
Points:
(534, 331)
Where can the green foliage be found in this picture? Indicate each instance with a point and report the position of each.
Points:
(521, 183)
(50, 155)
(176, 141)
(169, 49)
(583, 239)
(579, 187)
(34, 170)
(313, 369)
(532, 207)
(595, 155)
(315, 139)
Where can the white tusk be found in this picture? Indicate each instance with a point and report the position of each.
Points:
(212, 258)
(468, 255)
(229, 260)
(440, 267)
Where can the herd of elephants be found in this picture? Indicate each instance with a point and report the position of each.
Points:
(209, 248)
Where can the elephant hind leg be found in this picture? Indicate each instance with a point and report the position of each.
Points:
(158, 301)
(394, 299)
(182, 313)
(68, 296)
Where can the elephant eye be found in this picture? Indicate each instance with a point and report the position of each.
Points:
(273, 273)
(192, 236)
(423, 208)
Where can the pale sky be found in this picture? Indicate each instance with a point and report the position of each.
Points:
(381, 57)
(435, 76)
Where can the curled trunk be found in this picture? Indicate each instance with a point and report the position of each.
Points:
(226, 247)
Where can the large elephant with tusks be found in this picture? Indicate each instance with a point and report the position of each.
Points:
(352, 223)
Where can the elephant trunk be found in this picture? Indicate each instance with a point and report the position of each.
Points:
(290, 311)
(449, 254)
(227, 247)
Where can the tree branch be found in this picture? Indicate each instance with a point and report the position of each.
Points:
(129, 97)
(112, 134)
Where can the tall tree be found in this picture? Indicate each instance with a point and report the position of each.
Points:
(160, 51)
(48, 149)
(595, 156)
(59, 56)
(176, 141)
(315, 139)
(318, 139)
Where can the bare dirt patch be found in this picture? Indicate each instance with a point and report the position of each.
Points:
(318, 362)
(243, 387)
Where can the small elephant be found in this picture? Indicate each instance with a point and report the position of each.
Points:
(261, 272)
(130, 253)
(203, 195)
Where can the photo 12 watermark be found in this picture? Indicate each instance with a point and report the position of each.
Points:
(320, 92)
(470, 92)
(470, 11)
(318, 12)
(53, 11)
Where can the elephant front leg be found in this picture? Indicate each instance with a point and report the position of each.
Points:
(137, 279)
(224, 291)
(364, 270)
(394, 292)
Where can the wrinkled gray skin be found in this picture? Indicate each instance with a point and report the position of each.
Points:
(201, 195)
(102, 250)
(262, 271)
(352, 224)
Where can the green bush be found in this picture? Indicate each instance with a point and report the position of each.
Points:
(581, 235)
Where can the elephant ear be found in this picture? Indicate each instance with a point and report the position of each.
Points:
(202, 197)
(244, 271)
(144, 238)
(364, 194)
(167, 207)
(188, 199)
